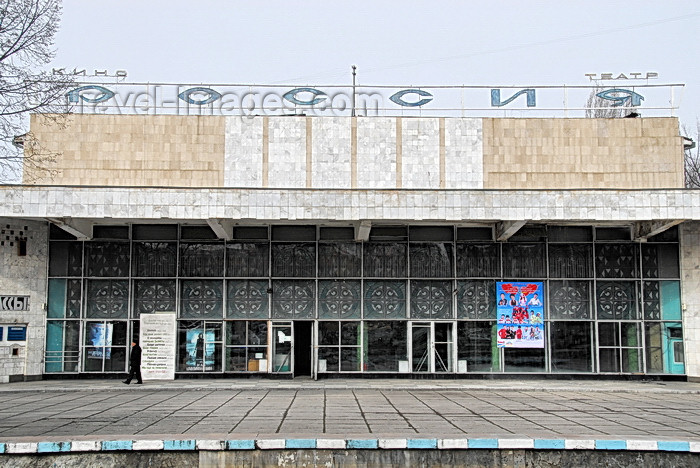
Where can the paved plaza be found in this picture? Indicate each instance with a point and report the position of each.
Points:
(260, 409)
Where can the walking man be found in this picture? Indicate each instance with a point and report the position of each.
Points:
(134, 364)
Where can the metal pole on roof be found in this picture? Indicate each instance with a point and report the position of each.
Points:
(354, 74)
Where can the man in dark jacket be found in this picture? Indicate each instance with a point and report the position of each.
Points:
(134, 364)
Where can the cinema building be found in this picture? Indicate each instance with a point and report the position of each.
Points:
(352, 246)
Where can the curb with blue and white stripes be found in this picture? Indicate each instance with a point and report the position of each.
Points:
(346, 444)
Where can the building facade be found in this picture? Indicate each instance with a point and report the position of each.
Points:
(353, 246)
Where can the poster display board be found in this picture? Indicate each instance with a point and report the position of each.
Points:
(158, 344)
(520, 312)
(100, 339)
(200, 350)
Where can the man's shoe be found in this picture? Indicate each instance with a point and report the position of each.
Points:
(126, 382)
(139, 382)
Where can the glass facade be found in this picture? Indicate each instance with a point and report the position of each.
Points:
(411, 299)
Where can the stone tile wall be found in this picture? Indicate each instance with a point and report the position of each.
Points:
(690, 296)
(24, 276)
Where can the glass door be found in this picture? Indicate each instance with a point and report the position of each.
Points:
(282, 347)
(432, 347)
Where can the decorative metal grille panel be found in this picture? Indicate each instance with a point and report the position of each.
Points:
(385, 260)
(107, 259)
(617, 300)
(293, 299)
(385, 299)
(247, 259)
(524, 261)
(431, 299)
(201, 259)
(476, 299)
(660, 261)
(341, 259)
(73, 298)
(339, 299)
(478, 260)
(570, 261)
(431, 260)
(65, 259)
(652, 300)
(155, 259)
(247, 299)
(107, 299)
(616, 260)
(152, 296)
(293, 260)
(570, 300)
(201, 299)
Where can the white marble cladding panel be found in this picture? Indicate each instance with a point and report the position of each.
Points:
(287, 152)
(376, 152)
(690, 293)
(331, 152)
(314, 205)
(420, 160)
(243, 152)
(25, 276)
(464, 154)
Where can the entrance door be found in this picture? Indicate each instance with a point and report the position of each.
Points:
(675, 360)
(432, 346)
(302, 348)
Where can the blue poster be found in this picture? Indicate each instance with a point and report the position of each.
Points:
(520, 312)
(100, 337)
(200, 349)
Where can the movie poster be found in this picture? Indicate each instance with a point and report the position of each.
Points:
(100, 336)
(520, 310)
(200, 350)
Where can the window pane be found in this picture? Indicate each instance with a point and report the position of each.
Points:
(420, 346)
(569, 300)
(154, 259)
(350, 359)
(328, 333)
(341, 259)
(478, 260)
(247, 259)
(247, 299)
(328, 358)
(523, 359)
(236, 359)
(385, 346)
(201, 259)
(609, 359)
(431, 260)
(65, 258)
(571, 346)
(293, 260)
(64, 298)
(201, 299)
(383, 259)
(662, 300)
(107, 299)
(617, 300)
(616, 260)
(570, 261)
(236, 333)
(257, 333)
(477, 346)
(524, 261)
(631, 360)
(293, 299)
(431, 299)
(608, 334)
(107, 259)
(339, 299)
(476, 299)
(630, 334)
(660, 261)
(385, 299)
(152, 296)
(350, 333)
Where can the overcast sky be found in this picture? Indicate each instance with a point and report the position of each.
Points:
(490, 42)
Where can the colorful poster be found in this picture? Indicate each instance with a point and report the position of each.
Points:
(200, 350)
(520, 311)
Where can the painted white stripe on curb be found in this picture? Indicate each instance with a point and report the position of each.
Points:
(147, 445)
(85, 446)
(210, 445)
(330, 443)
(21, 447)
(270, 444)
(516, 443)
(393, 443)
(449, 444)
(642, 445)
(574, 444)
(695, 446)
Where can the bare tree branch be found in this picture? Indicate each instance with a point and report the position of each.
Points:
(27, 29)
(692, 156)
